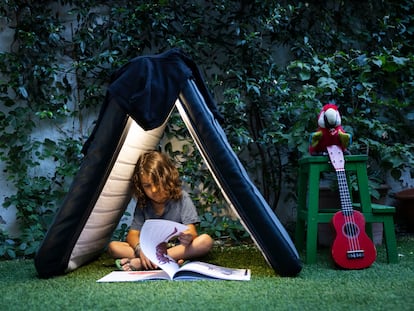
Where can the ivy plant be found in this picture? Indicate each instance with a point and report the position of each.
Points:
(271, 65)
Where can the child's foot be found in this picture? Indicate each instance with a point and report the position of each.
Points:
(129, 264)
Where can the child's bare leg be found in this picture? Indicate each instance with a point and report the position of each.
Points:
(123, 251)
(130, 264)
(200, 246)
(120, 250)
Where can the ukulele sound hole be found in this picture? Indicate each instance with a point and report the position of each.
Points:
(350, 230)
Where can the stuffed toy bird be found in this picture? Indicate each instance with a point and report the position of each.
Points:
(329, 132)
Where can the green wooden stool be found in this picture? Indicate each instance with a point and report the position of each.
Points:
(309, 215)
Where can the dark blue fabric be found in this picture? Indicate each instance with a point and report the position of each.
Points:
(147, 87)
(251, 207)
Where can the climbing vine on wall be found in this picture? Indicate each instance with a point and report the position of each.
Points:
(270, 65)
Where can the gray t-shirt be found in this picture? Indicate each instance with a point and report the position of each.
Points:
(182, 211)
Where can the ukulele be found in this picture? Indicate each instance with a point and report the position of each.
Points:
(352, 248)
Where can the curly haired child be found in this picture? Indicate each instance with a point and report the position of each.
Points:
(157, 188)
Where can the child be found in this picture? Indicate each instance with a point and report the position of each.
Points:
(157, 188)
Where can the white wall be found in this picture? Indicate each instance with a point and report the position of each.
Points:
(7, 216)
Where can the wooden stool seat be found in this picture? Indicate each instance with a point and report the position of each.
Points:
(309, 215)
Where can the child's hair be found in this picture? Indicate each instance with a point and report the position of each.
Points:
(162, 173)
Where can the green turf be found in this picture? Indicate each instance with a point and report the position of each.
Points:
(318, 287)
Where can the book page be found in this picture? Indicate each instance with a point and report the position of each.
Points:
(213, 271)
(134, 276)
(155, 234)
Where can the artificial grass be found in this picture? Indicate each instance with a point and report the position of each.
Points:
(318, 287)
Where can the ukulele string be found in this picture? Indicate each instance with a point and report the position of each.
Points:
(348, 211)
(345, 212)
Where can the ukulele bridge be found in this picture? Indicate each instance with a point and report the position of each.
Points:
(357, 254)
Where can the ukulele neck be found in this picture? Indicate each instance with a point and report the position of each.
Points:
(338, 162)
(345, 197)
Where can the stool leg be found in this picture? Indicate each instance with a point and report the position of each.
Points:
(362, 181)
(369, 231)
(390, 240)
(313, 208)
(300, 234)
(311, 242)
(301, 210)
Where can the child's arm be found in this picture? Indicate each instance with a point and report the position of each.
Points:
(189, 235)
(133, 238)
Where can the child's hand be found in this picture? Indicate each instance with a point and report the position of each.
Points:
(185, 238)
(146, 263)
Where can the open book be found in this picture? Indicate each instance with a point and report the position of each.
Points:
(154, 237)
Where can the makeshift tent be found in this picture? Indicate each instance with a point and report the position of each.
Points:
(137, 106)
